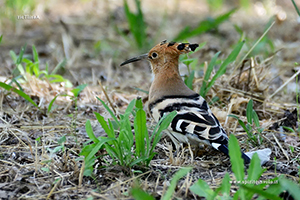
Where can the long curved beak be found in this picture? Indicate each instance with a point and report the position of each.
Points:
(141, 57)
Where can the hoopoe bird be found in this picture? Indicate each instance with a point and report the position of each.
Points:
(194, 122)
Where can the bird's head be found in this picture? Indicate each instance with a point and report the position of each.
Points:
(164, 54)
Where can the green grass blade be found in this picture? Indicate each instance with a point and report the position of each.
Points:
(202, 189)
(35, 55)
(288, 129)
(19, 92)
(140, 129)
(28, 67)
(51, 103)
(136, 24)
(176, 177)
(130, 16)
(225, 188)
(187, 61)
(236, 158)
(249, 111)
(87, 149)
(129, 107)
(136, 161)
(149, 158)
(163, 124)
(141, 90)
(13, 56)
(274, 189)
(55, 78)
(109, 111)
(125, 140)
(296, 7)
(290, 186)
(139, 194)
(140, 26)
(204, 26)
(240, 32)
(117, 147)
(260, 192)
(35, 69)
(47, 69)
(244, 127)
(232, 57)
(241, 123)
(1, 38)
(125, 134)
(128, 128)
(111, 126)
(16, 82)
(255, 170)
(98, 146)
(255, 118)
(60, 65)
(189, 80)
(214, 5)
(236, 162)
(210, 68)
(19, 60)
(236, 195)
(113, 152)
(250, 50)
(90, 132)
(101, 120)
(88, 167)
(76, 91)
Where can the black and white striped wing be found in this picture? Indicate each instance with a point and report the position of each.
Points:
(194, 119)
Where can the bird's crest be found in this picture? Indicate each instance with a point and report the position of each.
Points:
(170, 49)
(174, 46)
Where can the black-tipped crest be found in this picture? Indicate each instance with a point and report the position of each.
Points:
(163, 42)
(171, 44)
(193, 46)
(181, 46)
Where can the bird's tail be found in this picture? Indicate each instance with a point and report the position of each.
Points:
(223, 148)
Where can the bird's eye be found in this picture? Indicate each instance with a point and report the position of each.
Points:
(154, 55)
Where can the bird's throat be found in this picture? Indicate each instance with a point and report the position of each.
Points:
(168, 82)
